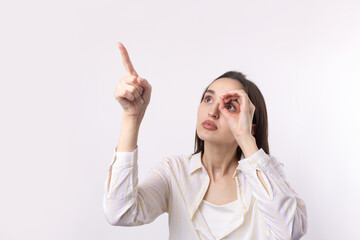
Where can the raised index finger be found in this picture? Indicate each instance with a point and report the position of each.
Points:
(126, 60)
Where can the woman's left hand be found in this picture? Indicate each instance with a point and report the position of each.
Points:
(238, 111)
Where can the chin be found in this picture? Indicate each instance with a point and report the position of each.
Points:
(210, 137)
(214, 137)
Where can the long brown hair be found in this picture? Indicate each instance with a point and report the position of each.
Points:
(260, 115)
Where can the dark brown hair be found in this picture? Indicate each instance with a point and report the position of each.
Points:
(260, 115)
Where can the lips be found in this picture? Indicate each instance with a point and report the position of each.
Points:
(210, 125)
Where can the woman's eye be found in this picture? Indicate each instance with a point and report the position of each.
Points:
(230, 107)
(207, 99)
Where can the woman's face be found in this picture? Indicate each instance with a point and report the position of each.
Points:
(211, 125)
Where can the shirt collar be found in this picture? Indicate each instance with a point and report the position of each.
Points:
(195, 162)
(194, 199)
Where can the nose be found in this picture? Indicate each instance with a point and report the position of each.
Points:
(214, 111)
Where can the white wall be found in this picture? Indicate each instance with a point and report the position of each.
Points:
(60, 121)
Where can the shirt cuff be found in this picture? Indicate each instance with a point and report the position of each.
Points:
(124, 159)
(258, 158)
(257, 161)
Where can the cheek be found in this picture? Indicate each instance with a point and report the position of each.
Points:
(200, 113)
(198, 120)
(225, 127)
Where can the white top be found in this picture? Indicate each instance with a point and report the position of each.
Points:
(220, 217)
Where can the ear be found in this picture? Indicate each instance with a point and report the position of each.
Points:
(253, 129)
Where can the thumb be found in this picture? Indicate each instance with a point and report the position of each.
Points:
(143, 82)
(223, 109)
(146, 86)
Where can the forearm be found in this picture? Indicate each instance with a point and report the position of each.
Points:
(128, 134)
(283, 210)
(249, 147)
(126, 203)
(247, 144)
(128, 137)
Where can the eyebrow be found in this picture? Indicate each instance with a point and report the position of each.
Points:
(213, 92)
(210, 91)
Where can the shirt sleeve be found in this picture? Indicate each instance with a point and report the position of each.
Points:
(284, 211)
(126, 203)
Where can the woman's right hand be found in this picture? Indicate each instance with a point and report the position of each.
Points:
(132, 92)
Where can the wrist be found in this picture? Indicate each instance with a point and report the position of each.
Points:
(129, 132)
(248, 145)
(245, 138)
(132, 120)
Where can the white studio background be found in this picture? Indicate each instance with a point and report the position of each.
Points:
(60, 121)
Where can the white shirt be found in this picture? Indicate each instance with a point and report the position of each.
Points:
(177, 185)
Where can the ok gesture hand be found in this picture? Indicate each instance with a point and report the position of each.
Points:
(132, 92)
(240, 119)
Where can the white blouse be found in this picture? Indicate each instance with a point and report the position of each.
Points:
(177, 186)
(220, 217)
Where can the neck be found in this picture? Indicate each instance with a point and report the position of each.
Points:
(219, 160)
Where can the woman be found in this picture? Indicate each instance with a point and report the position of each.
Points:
(230, 188)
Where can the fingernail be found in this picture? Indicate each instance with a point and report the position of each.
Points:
(142, 101)
(141, 79)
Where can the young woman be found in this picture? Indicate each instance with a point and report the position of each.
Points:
(230, 188)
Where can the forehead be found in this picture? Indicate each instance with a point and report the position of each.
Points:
(224, 85)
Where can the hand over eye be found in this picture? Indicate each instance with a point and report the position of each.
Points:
(239, 114)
